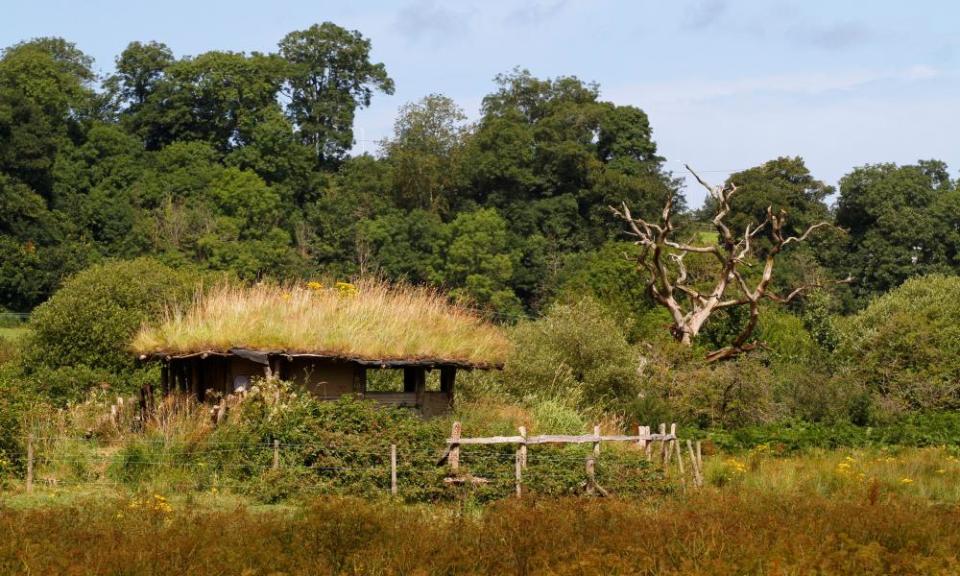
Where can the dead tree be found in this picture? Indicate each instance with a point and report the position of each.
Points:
(689, 307)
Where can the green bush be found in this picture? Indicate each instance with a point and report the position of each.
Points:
(576, 353)
(90, 321)
(905, 346)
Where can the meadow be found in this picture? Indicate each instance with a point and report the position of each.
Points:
(893, 511)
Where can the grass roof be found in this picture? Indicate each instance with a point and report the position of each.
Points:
(369, 321)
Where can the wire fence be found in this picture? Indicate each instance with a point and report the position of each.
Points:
(415, 472)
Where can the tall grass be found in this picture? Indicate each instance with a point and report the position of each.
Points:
(707, 534)
(374, 321)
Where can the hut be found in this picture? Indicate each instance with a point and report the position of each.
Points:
(330, 341)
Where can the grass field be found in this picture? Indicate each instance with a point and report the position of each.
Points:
(12, 334)
(876, 511)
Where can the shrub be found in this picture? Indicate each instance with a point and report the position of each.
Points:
(91, 320)
(575, 353)
(905, 346)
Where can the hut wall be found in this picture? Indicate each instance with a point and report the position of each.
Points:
(323, 377)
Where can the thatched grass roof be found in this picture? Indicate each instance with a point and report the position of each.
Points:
(371, 321)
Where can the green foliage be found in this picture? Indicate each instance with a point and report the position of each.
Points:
(575, 354)
(477, 258)
(905, 346)
(793, 435)
(902, 222)
(329, 75)
(91, 321)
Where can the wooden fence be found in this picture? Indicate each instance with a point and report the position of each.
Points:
(659, 446)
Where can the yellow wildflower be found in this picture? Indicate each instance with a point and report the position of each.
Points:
(346, 289)
(906, 480)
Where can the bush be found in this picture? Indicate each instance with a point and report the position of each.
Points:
(905, 346)
(90, 322)
(575, 353)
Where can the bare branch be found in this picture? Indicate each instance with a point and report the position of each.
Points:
(804, 236)
(664, 282)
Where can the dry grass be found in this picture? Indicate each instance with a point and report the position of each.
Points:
(372, 321)
(726, 534)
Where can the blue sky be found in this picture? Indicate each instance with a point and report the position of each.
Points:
(728, 84)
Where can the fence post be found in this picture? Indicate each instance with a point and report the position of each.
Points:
(518, 470)
(663, 444)
(30, 463)
(596, 445)
(647, 443)
(455, 447)
(697, 475)
(276, 454)
(672, 441)
(393, 469)
(522, 451)
(641, 441)
(591, 475)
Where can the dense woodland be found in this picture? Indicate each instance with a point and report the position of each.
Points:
(240, 165)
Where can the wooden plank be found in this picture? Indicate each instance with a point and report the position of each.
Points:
(560, 439)
(490, 440)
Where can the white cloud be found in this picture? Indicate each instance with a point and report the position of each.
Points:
(805, 84)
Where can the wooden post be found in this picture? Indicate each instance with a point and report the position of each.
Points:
(455, 447)
(699, 457)
(591, 474)
(518, 471)
(648, 444)
(676, 447)
(448, 377)
(276, 454)
(522, 450)
(641, 441)
(670, 443)
(165, 378)
(30, 463)
(592, 485)
(393, 469)
(697, 474)
(663, 444)
(596, 445)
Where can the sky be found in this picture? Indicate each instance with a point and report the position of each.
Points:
(727, 84)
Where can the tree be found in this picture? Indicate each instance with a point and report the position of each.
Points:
(477, 261)
(425, 151)
(329, 76)
(44, 95)
(140, 68)
(903, 221)
(690, 305)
